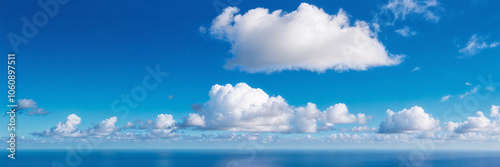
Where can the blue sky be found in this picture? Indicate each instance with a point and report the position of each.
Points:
(91, 53)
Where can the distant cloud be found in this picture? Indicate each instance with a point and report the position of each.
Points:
(472, 91)
(476, 44)
(363, 129)
(406, 32)
(474, 124)
(67, 128)
(468, 84)
(445, 98)
(403, 8)
(104, 128)
(415, 69)
(195, 120)
(164, 126)
(23, 104)
(202, 29)
(170, 96)
(242, 108)
(408, 121)
(305, 39)
(247, 109)
(31, 106)
(495, 112)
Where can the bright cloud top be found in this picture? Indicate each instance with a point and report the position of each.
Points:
(64, 129)
(408, 121)
(243, 108)
(305, 39)
(476, 124)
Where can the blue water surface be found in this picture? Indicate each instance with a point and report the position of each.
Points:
(251, 158)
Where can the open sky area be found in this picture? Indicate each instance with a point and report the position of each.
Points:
(279, 74)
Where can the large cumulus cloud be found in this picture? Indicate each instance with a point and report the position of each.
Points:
(243, 108)
(304, 39)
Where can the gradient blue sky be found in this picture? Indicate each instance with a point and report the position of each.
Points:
(92, 52)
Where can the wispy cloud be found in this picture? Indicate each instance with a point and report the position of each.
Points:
(472, 91)
(403, 8)
(406, 32)
(415, 69)
(476, 44)
(445, 98)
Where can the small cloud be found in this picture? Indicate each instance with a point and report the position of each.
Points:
(490, 88)
(170, 96)
(38, 111)
(363, 129)
(406, 32)
(476, 44)
(445, 98)
(202, 30)
(31, 106)
(473, 91)
(468, 84)
(415, 69)
(24, 104)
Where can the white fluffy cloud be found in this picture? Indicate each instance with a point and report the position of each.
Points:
(306, 118)
(69, 128)
(407, 121)
(305, 39)
(403, 8)
(477, 44)
(164, 121)
(64, 129)
(242, 108)
(339, 114)
(195, 120)
(473, 124)
(495, 112)
(105, 127)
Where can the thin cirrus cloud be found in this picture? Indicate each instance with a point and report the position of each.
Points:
(304, 39)
(247, 109)
(406, 32)
(476, 44)
(446, 98)
(401, 9)
(471, 92)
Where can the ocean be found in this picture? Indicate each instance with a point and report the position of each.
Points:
(249, 158)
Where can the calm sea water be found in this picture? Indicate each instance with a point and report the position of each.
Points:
(249, 158)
